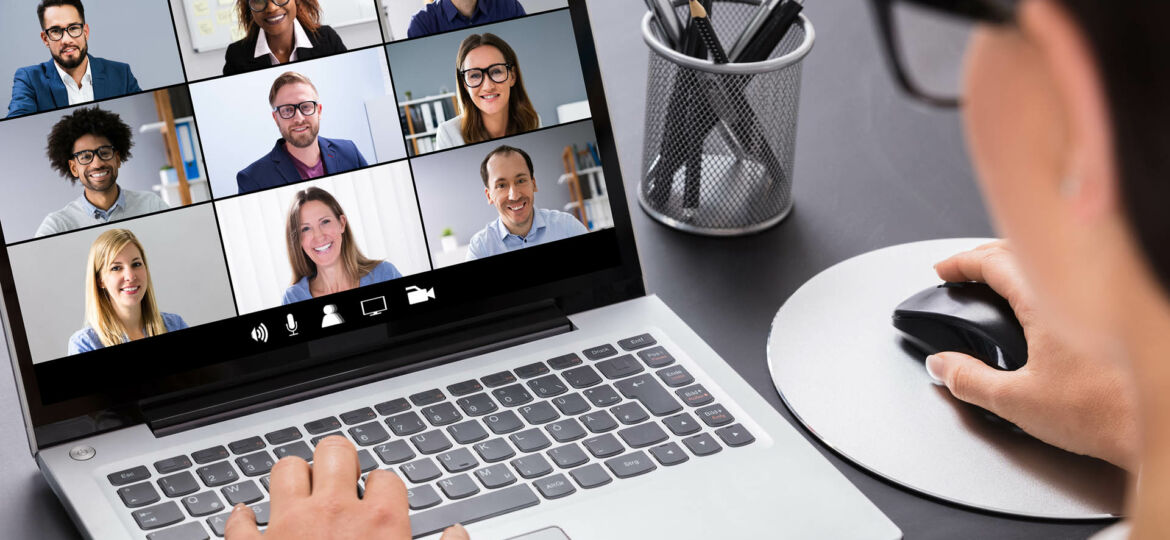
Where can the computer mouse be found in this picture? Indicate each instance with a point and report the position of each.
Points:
(970, 318)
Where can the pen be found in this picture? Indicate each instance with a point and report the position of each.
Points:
(774, 30)
(753, 26)
(664, 15)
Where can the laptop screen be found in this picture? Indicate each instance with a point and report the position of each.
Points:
(279, 186)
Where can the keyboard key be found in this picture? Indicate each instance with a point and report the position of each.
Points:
(547, 386)
(244, 492)
(323, 436)
(603, 446)
(177, 485)
(564, 361)
(591, 476)
(598, 421)
(431, 442)
(369, 433)
(427, 397)
(457, 460)
(366, 461)
(186, 531)
(600, 351)
(735, 435)
(464, 388)
(642, 435)
(282, 436)
(715, 415)
(702, 444)
(217, 474)
(317, 427)
(568, 456)
(532, 466)
(458, 487)
(496, 476)
(566, 430)
(498, 379)
(503, 422)
(681, 424)
(622, 366)
(214, 453)
(530, 440)
(571, 405)
(364, 414)
(477, 405)
(629, 413)
(637, 342)
(421, 470)
(554, 487)
(394, 452)
(442, 414)
(127, 476)
(511, 396)
(493, 450)
(262, 512)
(471, 510)
(218, 523)
(244, 446)
(136, 495)
(531, 370)
(669, 454)
(256, 464)
(168, 466)
(159, 515)
(467, 432)
(694, 395)
(582, 377)
(650, 394)
(202, 504)
(264, 482)
(405, 424)
(675, 376)
(602, 396)
(394, 406)
(298, 449)
(539, 413)
(656, 357)
(422, 497)
(631, 464)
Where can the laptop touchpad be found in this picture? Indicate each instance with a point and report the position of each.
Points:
(550, 533)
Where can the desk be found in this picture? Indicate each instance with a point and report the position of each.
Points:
(872, 170)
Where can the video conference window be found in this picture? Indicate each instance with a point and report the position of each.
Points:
(418, 18)
(488, 82)
(95, 164)
(236, 36)
(280, 127)
(68, 52)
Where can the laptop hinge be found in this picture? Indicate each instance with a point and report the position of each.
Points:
(326, 373)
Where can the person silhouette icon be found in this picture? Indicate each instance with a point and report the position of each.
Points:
(332, 317)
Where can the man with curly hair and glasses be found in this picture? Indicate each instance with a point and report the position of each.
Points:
(90, 145)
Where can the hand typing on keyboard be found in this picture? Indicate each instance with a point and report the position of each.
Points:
(322, 501)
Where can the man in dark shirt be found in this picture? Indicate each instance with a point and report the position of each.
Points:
(444, 15)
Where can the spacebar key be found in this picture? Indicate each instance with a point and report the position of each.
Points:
(471, 510)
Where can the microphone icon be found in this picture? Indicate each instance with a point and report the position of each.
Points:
(291, 325)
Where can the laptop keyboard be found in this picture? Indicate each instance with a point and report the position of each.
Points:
(469, 451)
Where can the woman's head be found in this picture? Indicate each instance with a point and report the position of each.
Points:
(276, 16)
(487, 73)
(117, 283)
(318, 236)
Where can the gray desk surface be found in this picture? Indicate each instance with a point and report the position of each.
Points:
(872, 170)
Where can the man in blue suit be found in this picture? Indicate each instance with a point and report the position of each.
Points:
(299, 154)
(72, 76)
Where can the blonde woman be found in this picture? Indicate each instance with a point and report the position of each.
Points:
(491, 94)
(120, 305)
(322, 252)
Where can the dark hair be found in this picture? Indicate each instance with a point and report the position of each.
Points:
(54, 3)
(504, 149)
(308, 13)
(1132, 50)
(86, 121)
(521, 114)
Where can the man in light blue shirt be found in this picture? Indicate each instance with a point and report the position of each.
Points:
(510, 186)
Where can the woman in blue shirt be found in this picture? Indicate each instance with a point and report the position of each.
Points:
(119, 297)
(321, 249)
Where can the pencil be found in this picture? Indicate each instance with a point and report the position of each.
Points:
(706, 33)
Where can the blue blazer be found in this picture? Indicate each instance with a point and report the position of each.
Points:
(39, 88)
(277, 169)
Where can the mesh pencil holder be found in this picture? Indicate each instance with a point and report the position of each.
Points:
(720, 139)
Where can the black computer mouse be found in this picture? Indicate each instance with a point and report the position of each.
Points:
(970, 318)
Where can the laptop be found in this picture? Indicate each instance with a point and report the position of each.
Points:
(535, 392)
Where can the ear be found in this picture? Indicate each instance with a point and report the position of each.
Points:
(344, 222)
(276, 119)
(535, 187)
(85, 31)
(73, 169)
(487, 194)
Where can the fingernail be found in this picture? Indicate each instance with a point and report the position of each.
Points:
(238, 506)
(934, 378)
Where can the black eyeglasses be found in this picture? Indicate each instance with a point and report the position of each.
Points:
(925, 41)
(85, 157)
(261, 5)
(55, 33)
(307, 108)
(474, 77)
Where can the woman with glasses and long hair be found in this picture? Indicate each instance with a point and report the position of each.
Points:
(322, 252)
(120, 304)
(491, 93)
(278, 32)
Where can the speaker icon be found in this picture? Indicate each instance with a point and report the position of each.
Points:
(260, 334)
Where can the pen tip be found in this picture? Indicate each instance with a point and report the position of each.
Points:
(697, 9)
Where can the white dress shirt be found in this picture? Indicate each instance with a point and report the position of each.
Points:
(78, 94)
(300, 41)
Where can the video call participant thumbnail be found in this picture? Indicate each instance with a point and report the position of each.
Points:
(299, 154)
(120, 305)
(90, 145)
(279, 32)
(445, 15)
(491, 94)
(72, 76)
(510, 186)
(322, 252)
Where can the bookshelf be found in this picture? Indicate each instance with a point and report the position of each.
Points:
(421, 119)
(586, 182)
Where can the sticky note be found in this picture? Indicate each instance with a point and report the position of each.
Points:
(206, 28)
(201, 8)
(225, 17)
(226, 2)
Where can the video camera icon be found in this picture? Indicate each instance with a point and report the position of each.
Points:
(416, 295)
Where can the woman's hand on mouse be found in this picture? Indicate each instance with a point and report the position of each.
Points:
(1083, 405)
(321, 501)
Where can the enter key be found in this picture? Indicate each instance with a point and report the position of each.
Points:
(650, 393)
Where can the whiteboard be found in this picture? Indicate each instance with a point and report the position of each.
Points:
(213, 23)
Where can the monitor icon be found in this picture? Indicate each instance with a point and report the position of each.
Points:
(374, 306)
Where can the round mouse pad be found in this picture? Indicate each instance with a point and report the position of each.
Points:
(845, 373)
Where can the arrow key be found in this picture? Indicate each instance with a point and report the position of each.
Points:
(735, 435)
(702, 444)
(669, 454)
(681, 424)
